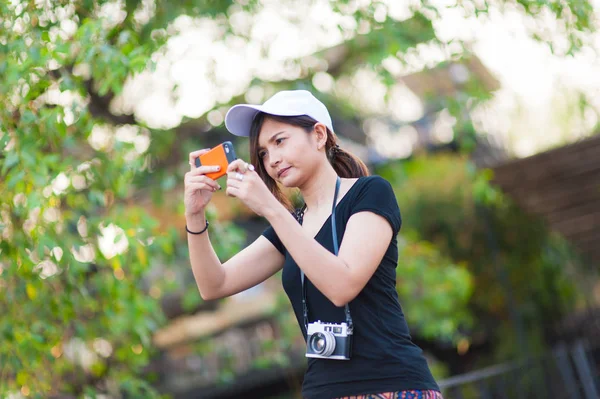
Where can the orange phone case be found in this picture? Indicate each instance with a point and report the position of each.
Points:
(221, 155)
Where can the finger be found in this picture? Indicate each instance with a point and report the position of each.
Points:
(248, 167)
(195, 154)
(232, 191)
(232, 182)
(200, 186)
(202, 179)
(205, 180)
(236, 177)
(204, 169)
(237, 165)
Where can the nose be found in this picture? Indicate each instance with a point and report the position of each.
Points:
(274, 159)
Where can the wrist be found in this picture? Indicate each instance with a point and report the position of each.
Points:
(274, 211)
(197, 232)
(196, 221)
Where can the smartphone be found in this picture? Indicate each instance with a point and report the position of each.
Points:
(221, 155)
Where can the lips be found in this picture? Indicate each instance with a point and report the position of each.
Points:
(282, 171)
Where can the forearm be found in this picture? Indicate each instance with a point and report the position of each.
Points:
(206, 266)
(330, 274)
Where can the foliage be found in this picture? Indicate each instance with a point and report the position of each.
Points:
(84, 263)
(517, 265)
(434, 291)
(80, 254)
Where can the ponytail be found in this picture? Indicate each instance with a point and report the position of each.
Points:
(344, 163)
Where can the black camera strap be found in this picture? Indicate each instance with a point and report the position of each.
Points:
(335, 250)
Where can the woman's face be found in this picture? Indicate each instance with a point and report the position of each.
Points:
(289, 154)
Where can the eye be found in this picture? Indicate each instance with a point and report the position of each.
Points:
(279, 140)
(262, 154)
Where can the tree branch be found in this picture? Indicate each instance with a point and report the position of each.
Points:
(99, 106)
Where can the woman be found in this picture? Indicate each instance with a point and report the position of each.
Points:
(292, 144)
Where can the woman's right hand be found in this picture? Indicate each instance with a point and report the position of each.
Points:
(198, 187)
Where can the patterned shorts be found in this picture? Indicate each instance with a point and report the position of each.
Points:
(414, 394)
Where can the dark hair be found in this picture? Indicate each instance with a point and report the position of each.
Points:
(344, 163)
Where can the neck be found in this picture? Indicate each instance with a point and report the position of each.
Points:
(319, 190)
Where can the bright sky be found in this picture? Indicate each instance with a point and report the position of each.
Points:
(529, 113)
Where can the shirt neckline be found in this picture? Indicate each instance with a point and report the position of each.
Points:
(327, 221)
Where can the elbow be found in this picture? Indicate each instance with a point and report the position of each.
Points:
(340, 303)
(342, 300)
(209, 292)
(346, 289)
(208, 295)
(344, 296)
(205, 296)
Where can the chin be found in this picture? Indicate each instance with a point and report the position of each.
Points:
(289, 180)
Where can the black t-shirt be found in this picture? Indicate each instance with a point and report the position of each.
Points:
(383, 357)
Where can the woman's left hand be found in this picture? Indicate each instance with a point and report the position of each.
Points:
(244, 183)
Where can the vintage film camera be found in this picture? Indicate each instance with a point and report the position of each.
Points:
(328, 341)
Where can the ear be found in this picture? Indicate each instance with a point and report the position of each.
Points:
(320, 135)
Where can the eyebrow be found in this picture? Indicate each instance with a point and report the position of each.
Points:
(273, 137)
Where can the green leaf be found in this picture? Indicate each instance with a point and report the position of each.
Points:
(12, 158)
(22, 378)
(4, 139)
(104, 87)
(31, 291)
(14, 179)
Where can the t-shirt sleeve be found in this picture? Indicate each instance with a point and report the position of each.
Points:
(272, 236)
(377, 196)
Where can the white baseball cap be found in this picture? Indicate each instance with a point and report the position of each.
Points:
(284, 103)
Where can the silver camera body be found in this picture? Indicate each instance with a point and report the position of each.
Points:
(328, 341)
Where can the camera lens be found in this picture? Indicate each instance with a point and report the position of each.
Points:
(319, 344)
(322, 343)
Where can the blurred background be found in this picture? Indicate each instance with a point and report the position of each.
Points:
(483, 114)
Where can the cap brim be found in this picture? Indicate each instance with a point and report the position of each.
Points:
(238, 119)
